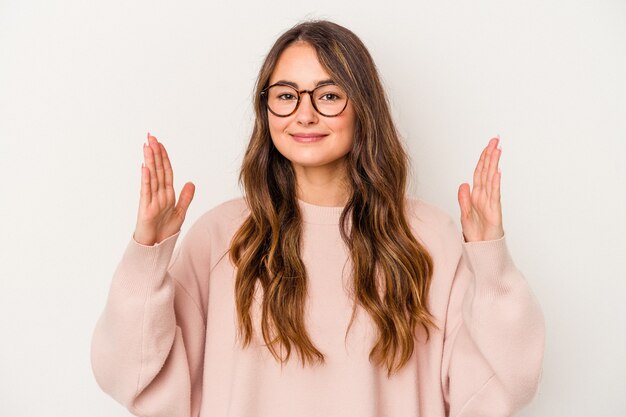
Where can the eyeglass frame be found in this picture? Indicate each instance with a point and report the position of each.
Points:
(300, 93)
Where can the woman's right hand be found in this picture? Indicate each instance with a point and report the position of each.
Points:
(159, 216)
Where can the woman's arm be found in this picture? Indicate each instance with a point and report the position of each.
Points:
(147, 347)
(494, 337)
(494, 342)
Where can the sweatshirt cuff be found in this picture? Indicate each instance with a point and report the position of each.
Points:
(143, 266)
(491, 263)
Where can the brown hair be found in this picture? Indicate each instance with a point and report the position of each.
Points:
(266, 248)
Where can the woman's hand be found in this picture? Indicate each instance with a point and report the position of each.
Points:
(481, 211)
(159, 217)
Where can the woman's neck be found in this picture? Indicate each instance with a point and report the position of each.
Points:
(322, 187)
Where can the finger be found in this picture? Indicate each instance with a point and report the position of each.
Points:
(158, 162)
(169, 177)
(495, 194)
(465, 202)
(493, 169)
(483, 172)
(185, 197)
(145, 193)
(478, 170)
(149, 158)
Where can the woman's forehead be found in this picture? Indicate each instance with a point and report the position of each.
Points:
(298, 65)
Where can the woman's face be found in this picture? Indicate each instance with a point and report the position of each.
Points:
(306, 138)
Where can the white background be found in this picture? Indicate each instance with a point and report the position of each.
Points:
(82, 82)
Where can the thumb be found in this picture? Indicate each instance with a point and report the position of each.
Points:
(465, 200)
(185, 197)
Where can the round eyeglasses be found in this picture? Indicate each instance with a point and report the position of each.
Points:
(283, 100)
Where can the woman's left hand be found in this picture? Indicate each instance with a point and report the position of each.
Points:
(481, 211)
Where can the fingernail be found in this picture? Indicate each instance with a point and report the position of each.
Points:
(148, 136)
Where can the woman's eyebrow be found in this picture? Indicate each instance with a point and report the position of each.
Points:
(295, 85)
(329, 81)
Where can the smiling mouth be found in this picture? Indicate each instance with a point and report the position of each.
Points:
(308, 137)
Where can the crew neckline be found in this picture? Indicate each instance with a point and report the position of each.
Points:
(314, 214)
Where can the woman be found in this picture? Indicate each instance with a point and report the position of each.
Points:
(326, 291)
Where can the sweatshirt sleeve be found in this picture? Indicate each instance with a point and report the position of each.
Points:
(494, 337)
(148, 344)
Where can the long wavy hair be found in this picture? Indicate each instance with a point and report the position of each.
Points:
(391, 269)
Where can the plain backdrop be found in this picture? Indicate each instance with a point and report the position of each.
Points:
(81, 82)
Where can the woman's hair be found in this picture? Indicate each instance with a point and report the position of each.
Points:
(267, 247)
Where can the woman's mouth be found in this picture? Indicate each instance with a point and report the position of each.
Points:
(308, 137)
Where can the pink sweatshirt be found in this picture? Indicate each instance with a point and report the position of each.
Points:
(166, 343)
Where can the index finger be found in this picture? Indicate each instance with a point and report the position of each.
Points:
(169, 176)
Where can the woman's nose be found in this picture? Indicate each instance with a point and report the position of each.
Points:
(306, 113)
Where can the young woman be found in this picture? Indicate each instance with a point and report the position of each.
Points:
(325, 291)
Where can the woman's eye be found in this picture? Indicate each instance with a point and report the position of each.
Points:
(329, 97)
(286, 96)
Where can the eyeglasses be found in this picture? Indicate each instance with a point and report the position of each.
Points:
(283, 100)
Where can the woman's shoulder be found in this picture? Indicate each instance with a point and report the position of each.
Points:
(234, 208)
(430, 222)
(422, 211)
(229, 213)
